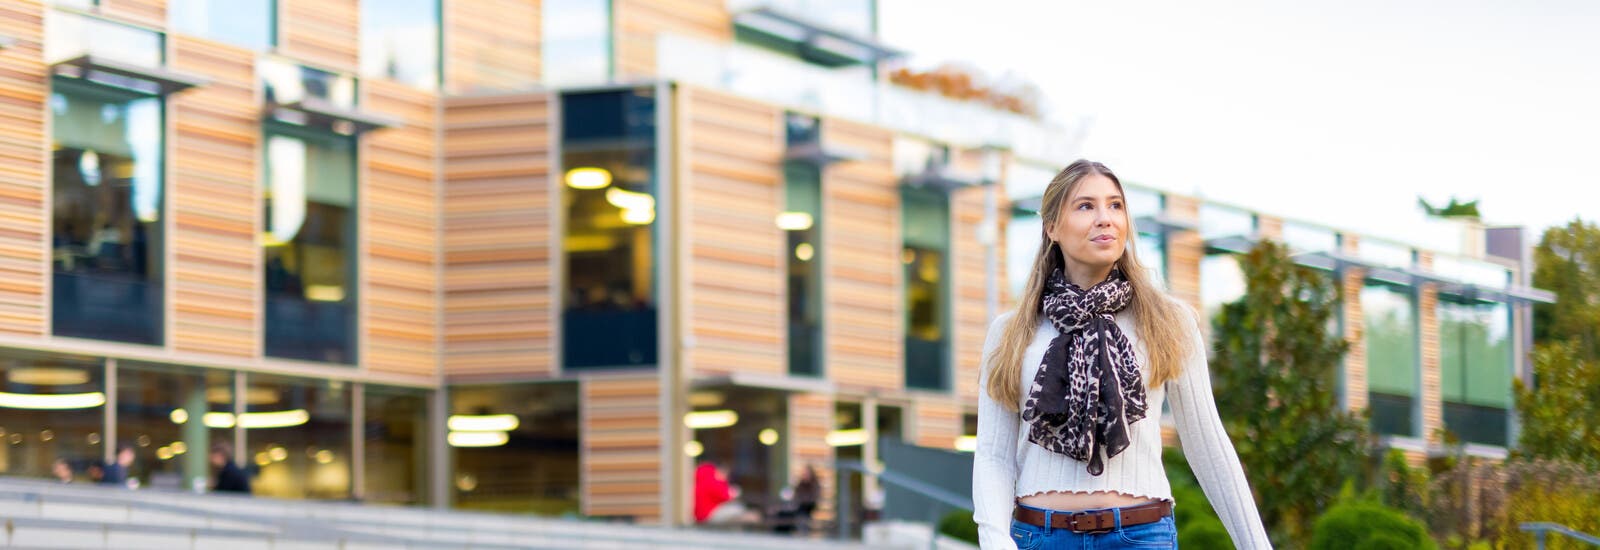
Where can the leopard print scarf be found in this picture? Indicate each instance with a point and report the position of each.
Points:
(1088, 389)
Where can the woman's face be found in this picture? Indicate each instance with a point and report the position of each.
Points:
(1092, 226)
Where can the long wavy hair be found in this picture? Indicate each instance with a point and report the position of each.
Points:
(1164, 325)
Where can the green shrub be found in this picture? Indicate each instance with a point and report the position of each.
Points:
(1204, 536)
(959, 525)
(1355, 523)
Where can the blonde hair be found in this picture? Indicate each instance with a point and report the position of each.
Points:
(1164, 324)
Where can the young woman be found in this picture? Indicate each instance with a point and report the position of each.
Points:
(1069, 432)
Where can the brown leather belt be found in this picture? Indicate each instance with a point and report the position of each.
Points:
(1097, 521)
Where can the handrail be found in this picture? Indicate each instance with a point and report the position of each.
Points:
(934, 492)
(1541, 528)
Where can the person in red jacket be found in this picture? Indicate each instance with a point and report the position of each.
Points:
(710, 491)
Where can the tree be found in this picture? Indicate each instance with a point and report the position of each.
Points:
(1567, 262)
(1561, 412)
(1561, 418)
(1275, 371)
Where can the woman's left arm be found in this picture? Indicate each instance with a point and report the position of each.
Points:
(1210, 452)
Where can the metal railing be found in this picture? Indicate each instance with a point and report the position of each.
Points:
(1541, 529)
(937, 495)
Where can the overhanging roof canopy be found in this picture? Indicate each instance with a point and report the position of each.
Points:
(814, 39)
(111, 72)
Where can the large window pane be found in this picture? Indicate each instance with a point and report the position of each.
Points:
(753, 448)
(802, 223)
(106, 213)
(400, 41)
(576, 41)
(609, 194)
(396, 439)
(51, 408)
(1475, 370)
(925, 226)
(1392, 360)
(69, 35)
(310, 245)
(171, 416)
(515, 447)
(247, 23)
(1225, 221)
(1152, 251)
(1221, 282)
(1024, 233)
(299, 436)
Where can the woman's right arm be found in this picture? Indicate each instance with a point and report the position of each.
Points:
(994, 466)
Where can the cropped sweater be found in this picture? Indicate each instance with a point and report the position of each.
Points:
(1008, 467)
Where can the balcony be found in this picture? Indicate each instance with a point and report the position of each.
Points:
(851, 93)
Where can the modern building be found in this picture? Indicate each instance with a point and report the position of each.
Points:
(545, 256)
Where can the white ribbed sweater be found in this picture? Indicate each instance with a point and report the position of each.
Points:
(1007, 466)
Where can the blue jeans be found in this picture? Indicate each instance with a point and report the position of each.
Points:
(1160, 534)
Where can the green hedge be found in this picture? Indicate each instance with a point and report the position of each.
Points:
(1368, 524)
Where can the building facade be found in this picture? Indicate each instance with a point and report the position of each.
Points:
(545, 255)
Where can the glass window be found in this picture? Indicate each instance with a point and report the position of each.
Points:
(802, 222)
(106, 222)
(1142, 202)
(51, 408)
(309, 244)
(299, 437)
(396, 445)
(1475, 362)
(1307, 238)
(400, 41)
(246, 23)
(1221, 282)
(925, 228)
(72, 35)
(1225, 221)
(609, 154)
(1025, 180)
(515, 448)
(753, 448)
(1152, 251)
(1392, 360)
(171, 416)
(285, 82)
(1385, 253)
(1024, 234)
(575, 41)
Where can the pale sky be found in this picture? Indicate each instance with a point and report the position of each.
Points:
(1340, 113)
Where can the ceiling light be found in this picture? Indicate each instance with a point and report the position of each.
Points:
(701, 420)
(846, 438)
(588, 177)
(794, 221)
(483, 423)
(48, 376)
(60, 401)
(477, 439)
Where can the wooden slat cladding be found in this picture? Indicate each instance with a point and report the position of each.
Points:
(497, 230)
(620, 446)
(24, 148)
(1428, 330)
(145, 12)
(731, 195)
(215, 202)
(863, 317)
(1269, 227)
(324, 33)
(491, 45)
(1185, 249)
(970, 316)
(400, 227)
(938, 423)
(810, 420)
(1355, 360)
(637, 23)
